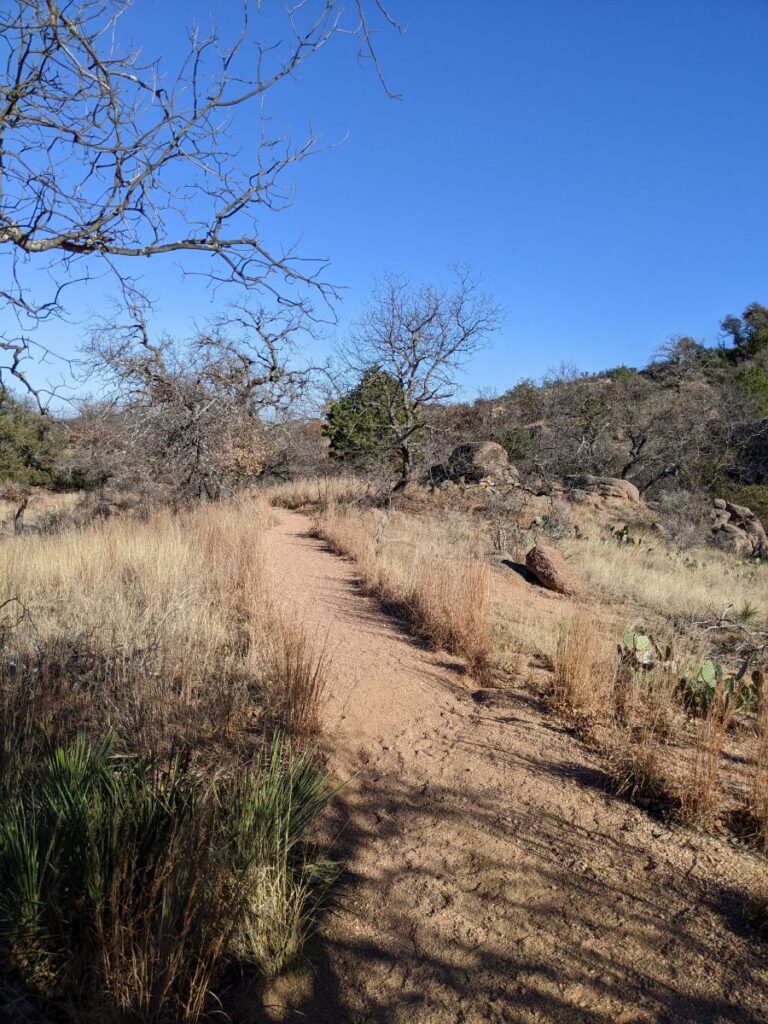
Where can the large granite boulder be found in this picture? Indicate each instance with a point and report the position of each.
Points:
(612, 488)
(477, 461)
(738, 529)
(552, 571)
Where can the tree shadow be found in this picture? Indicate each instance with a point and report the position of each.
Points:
(555, 921)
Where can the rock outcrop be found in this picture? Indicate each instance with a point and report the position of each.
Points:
(612, 488)
(738, 529)
(476, 462)
(552, 571)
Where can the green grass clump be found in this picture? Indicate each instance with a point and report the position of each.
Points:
(127, 885)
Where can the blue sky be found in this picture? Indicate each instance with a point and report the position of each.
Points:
(603, 163)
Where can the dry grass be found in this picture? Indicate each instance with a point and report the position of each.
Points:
(687, 586)
(759, 905)
(45, 508)
(158, 638)
(655, 752)
(529, 623)
(700, 795)
(295, 681)
(631, 713)
(161, 631)
(584, 670)
(317, 492)
(430, 572)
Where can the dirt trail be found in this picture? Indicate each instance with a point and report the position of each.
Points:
(492, 878)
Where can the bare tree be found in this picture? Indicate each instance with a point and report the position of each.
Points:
(420, 336)
(189, 416)
(106, 157)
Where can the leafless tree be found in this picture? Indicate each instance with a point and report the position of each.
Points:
(106, 156)
(421, 335)
(189, 416)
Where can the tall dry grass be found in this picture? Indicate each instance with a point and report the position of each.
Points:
(432, 573)
(655, 752)
(684, 585)
(758, 797)
(162, 632)
(630, 712)
(584, 671)
(700, 794)
(317, 492)
(153, 706)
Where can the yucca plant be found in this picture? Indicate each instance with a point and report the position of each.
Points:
(285, 879)
(130, 883)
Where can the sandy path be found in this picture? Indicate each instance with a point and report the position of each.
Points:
(492, 878)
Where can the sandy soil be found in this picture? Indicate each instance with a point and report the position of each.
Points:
(491, 877)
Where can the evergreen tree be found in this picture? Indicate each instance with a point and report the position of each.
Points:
(362, 425)
(29, 444)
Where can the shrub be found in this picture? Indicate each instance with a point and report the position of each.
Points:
(517, 442)
(127, 886)
(29, 444)
(363, 424)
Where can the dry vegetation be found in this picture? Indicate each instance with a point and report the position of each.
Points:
(431, 573)
(658, 751)
(152, 711)
(317, 492)
(148, 677)
(160, 631)
(695, 584)
(45, 509)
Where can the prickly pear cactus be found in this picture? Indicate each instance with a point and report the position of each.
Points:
(637, 647)
(699, 691)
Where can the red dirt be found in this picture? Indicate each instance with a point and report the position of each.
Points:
(492, 877)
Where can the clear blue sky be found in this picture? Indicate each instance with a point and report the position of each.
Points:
(603, 163)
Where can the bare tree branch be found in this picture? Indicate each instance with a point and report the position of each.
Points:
(420, 336)
(106, 157)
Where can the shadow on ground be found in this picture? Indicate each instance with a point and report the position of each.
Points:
(473, 905)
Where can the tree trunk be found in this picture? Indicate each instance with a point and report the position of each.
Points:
(18, 519)
(406, 467)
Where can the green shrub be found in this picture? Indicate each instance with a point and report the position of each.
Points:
(126, 886)
(753, 381)
(754, 496)
(517, 442)
(29, 444)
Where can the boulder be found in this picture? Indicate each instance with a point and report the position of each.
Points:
(552, 571)
(606, 487)
(732, 539)
(480, 461)
(738, 529)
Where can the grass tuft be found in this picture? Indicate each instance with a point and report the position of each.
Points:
(127, 885)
